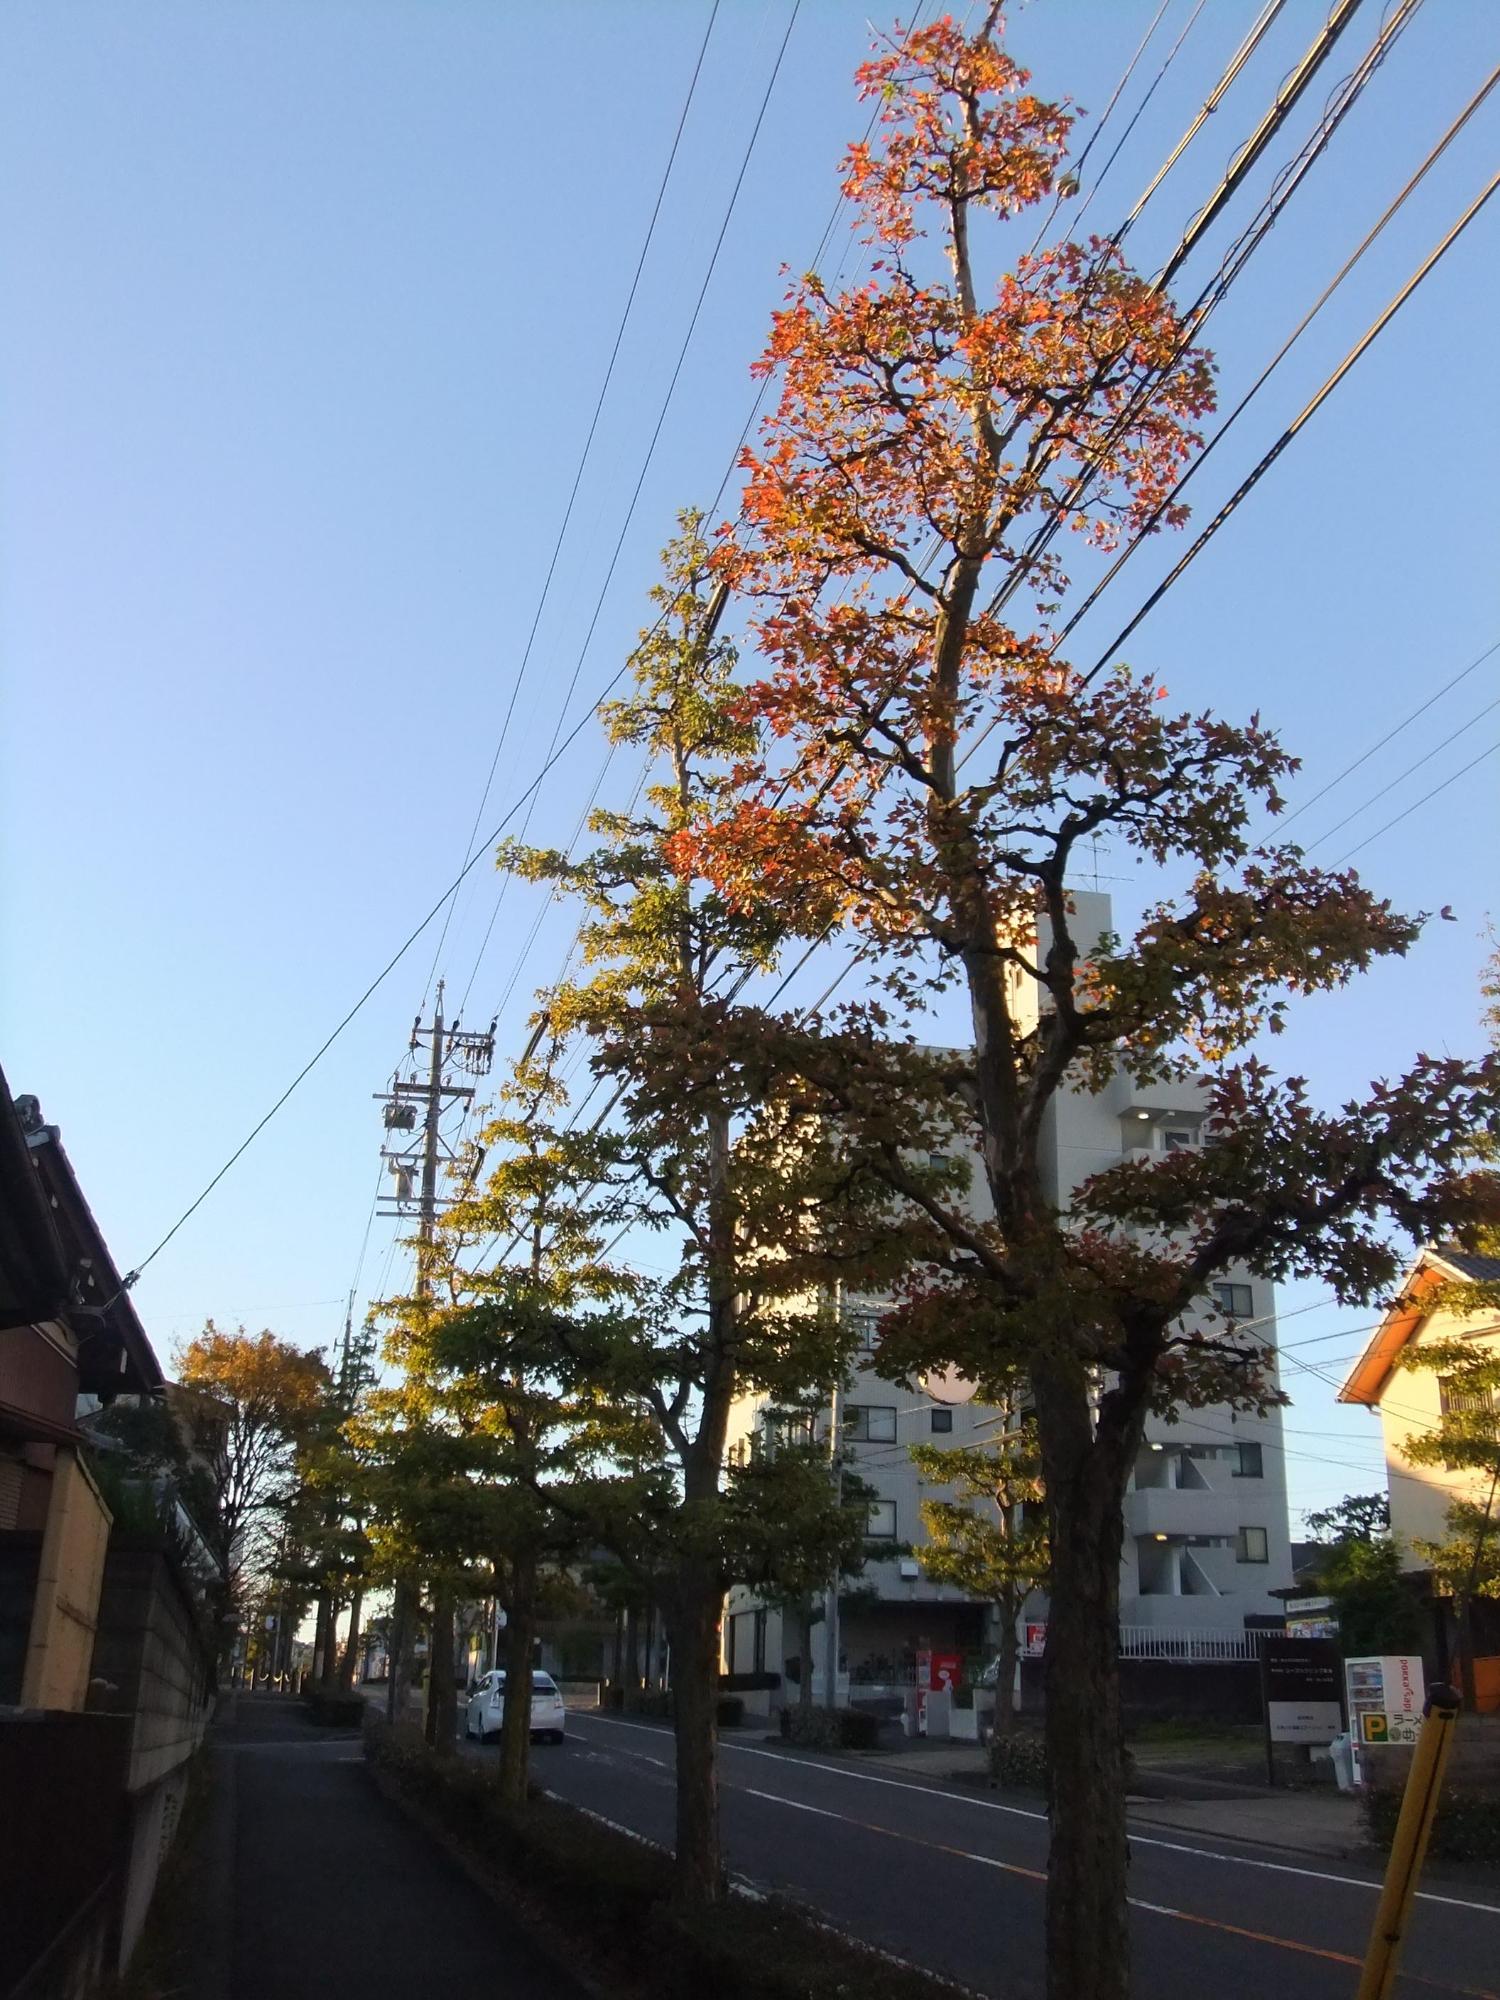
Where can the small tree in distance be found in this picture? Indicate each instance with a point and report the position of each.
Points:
(260, 1398)
(1359, 1517)
(991, 1539)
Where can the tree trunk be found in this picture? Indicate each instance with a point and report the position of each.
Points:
(1005, 1686)
(633, 1651)
(397, 1651)
(805, 1641)
(1463, 1650)
(698, 1592)
(515, 1724)
(351, 1646)
(1084, 1466)
(325, 1635)
(441, 1720)
(693, 1626)
(403, 1623)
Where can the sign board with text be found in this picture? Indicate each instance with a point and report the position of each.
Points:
(1300, 1684)
(1375, 1726)
(1386, 1694)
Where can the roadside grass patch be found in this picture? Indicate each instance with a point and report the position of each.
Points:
(605, 1895)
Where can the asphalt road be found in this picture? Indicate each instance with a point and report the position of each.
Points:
(953, 1879)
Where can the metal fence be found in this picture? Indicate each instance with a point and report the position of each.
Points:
(1156, 1642)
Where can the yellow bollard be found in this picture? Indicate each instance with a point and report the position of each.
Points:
(1409, 1847)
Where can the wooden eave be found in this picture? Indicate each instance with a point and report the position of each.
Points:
(1374, 1368)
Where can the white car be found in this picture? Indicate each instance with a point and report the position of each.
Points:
(486, 1708)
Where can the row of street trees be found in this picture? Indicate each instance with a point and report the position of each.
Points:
(909, 760)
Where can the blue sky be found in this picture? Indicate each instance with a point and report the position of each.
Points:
(310, 306)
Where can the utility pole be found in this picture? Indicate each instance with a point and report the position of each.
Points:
(836, 1460)
(414, 1166)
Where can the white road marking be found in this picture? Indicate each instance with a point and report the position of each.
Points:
(798, 1805)
(1023, 1812)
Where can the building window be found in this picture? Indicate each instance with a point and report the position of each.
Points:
(1179, 1139)
(1251, 1547)
(866, 1327)
(882, 1527)
(942, 1420)
(1238, 1301)
(787, 1427)
(870, 1423)
(1251, 1462)
(1456, 1401)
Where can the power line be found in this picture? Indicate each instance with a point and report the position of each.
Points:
(1104, 118)
(755, 407)
(1245, 487)
(1175, 574)
(1239, 168)
(1210, 105)
(1172, 498)
(380, 977)
(1426, 797)
(1231, 265)
(666, 404)
(554, 756)
(1252, 479)
(1284, 102)
(826, 236)
(1402, 776)
(583, 457)
(1405, 723)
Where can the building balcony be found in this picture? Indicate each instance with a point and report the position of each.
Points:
(1161, 1100)
(1182, 1510)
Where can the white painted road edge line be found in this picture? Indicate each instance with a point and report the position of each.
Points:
(1023, 1812)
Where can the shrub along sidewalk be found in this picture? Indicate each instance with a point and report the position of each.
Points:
(607, 1895)
(1467, 1826)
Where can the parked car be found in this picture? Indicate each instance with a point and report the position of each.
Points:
(486, 1708)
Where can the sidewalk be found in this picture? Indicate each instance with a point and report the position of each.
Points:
(316, 1885)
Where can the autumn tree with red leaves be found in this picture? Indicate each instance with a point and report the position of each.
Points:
(926, 772)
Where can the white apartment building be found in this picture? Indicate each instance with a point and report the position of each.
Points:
(1207, 1537)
